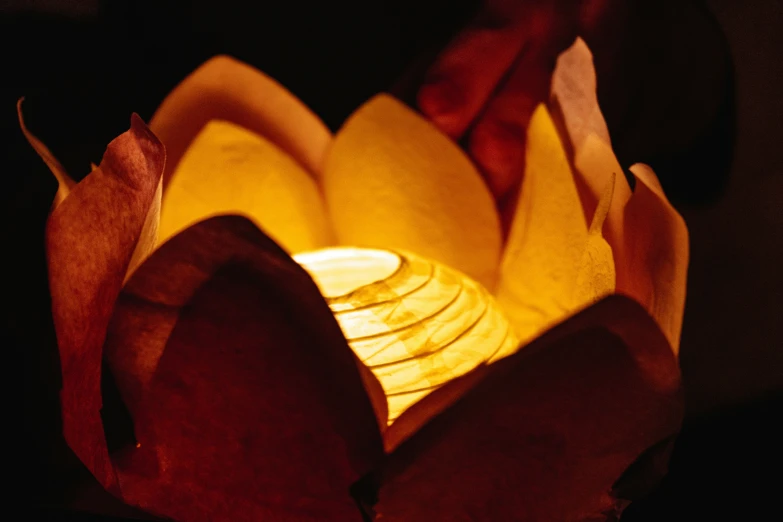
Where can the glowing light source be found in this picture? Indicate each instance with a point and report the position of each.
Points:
(416, 324)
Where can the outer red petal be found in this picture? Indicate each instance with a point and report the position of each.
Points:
(548, 431)
(246, 399)
(90, 238)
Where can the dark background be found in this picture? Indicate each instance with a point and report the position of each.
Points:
(86, 65)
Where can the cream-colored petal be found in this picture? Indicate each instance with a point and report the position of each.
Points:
(230, 170)
(652, 259)
(595, 165)
(392, 180)
(573, 95)
(648, 237)
(585, 134)
(548, 245)
(65, 183)
(226, 89)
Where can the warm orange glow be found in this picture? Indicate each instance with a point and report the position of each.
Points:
(230, 170)
(415, 323)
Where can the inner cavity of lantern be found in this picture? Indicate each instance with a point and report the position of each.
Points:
(415, 323)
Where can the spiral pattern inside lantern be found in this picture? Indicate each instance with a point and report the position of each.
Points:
(415, 323)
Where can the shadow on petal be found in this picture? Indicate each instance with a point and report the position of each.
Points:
(90, 238)
(654, 254)
(648, 237)
(246, 399)
(548, 431)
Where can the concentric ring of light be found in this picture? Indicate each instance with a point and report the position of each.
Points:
(416, 324)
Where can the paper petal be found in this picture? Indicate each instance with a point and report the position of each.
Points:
(595, 165)
(652, 264)
(596, 276)
(226, 89)
(246, 399)
(392, 180)
(548, 237)
(586, 137)
(148, 239)
(548, 431)
(648, 237)
(574, 95)
(90, 238)
(63, 179)
(229, 170)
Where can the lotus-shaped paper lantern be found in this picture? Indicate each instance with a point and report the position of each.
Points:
(527, 377)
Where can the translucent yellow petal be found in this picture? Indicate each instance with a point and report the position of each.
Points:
(226, 89)
(548, 236)
(596, 277)
(596, 165)
(230, 170)
(393, 181)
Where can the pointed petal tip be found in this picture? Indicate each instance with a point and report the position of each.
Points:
(142, 131)
(384, 97)
(388, 103)
(377, 102)
(64, 181)
(140, 128)
(137, 155)
(20, 117)
(220, 60)
(137, 123)
(644, 172)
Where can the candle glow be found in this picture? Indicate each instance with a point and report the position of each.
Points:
(415, 323)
